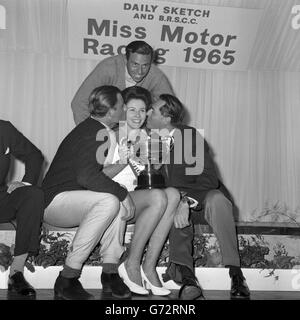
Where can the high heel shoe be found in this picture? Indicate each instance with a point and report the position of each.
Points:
(157, 291)
(133, 287)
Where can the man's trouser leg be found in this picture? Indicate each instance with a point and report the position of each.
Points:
(26, 205)
(113, 239)
(219, 215)
(180, 252)
(95, 213)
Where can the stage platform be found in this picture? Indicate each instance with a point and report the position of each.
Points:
(270, 255)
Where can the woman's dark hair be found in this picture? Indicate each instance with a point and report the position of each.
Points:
(140, 47)
(137, 92)
(172, 108)
(102, 99)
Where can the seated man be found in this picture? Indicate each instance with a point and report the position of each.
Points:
(191, 170)
(21, 200)
(78, 193)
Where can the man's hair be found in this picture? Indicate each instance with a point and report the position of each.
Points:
(140, 47)
(172, 108)
(137, 92)
(102, 99)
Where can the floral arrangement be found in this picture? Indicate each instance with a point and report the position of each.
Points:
(53, 249)
(253, 251)
(277, 212)
(6, 256)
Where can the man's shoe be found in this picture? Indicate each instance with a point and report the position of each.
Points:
(190, 290)
(239, 289)
(18, 284)
(70, 289)
(113, 284)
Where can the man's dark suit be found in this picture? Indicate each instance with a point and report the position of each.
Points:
(205, 187)
(205, 179)
(25, 204)
(75, 166)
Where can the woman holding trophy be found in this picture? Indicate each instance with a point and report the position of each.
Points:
(155, 205)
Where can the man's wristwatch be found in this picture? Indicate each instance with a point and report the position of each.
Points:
(185, 199)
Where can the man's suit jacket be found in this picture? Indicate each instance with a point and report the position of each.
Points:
(75, 165)
(187, 142)
(13, 142)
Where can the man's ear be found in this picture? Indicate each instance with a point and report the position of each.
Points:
(110, 113)
(167, 120)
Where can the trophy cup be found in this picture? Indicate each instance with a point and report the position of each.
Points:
(152, 152)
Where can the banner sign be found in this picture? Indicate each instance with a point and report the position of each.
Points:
(182, 35)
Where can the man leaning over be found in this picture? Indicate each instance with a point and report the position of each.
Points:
(136, 67)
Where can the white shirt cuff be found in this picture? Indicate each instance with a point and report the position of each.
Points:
(27, 183)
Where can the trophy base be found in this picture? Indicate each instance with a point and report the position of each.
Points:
(147, 181)
(150, 187)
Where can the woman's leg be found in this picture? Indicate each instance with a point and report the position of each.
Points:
(150, 206)
(159, 237)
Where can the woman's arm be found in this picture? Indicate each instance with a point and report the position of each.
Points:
(113, 169)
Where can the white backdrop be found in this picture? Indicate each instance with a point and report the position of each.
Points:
(251, 119)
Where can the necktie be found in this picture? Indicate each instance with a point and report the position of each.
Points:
(112, 147)
(170, 141)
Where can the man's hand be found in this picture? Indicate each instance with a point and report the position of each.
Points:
(12, 186)
(130, 208)
(181, 218)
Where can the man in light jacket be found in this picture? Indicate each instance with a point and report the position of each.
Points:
(134, 68)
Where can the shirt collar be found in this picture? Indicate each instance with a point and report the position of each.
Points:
(172, 132)
(128, 77)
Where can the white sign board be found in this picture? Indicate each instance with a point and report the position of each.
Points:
(183, 35)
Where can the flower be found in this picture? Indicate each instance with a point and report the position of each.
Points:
(6, 256)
